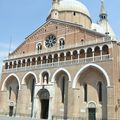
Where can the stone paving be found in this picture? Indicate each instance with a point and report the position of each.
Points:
(15, 118)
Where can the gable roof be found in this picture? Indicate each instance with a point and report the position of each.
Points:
(60, 22)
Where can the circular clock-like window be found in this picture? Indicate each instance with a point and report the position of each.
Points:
(50, 41)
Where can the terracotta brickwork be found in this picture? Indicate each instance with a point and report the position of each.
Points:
(63, 71)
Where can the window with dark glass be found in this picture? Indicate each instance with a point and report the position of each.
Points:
(62, 43)
(45, 76)
(39, 47)
(100, 91)
(32, 90)
(10, 89)
(63, 89)
(17, 90)
(85, 92)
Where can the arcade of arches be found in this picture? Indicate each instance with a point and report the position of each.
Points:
(47, 99)
(97, 51)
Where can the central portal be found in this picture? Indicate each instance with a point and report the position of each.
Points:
(44, 108)
(92, 113)
(44, 103)
(11, 111)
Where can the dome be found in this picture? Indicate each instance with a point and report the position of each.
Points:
(97, 28)
(107, 28)
(72, 11)
(73, 5)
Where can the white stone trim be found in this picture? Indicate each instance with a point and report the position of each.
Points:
(90, 103)
(86, 66)
(18, 80)
(60, 69)
(23, 80)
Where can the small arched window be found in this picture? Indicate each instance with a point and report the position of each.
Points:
(15, 64)
(45, 77)
(61, 56)
(39, 60)
(89, 52)
(75, 55)
(19, 63)
(74, 13)
(39, 47)
(105, 50)
(55, 58)
(97, 51)
(10, 66)
(68, 56)
(23, 63)
(6, 65)
(82, 53)
(62, 43)
(50, 59)
(28, 62)
(33, 61)
(44, 60)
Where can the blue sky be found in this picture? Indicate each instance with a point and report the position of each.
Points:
(18, 18)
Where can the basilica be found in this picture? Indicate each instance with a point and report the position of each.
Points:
(67, 69)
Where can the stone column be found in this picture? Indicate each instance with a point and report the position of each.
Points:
(93, 56)
(50, 109)
(110, 103)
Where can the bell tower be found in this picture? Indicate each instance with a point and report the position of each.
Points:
(104, 23)
(55, 7)
(103, 14)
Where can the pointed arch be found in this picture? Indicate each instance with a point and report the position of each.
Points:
(60, 69)
(32, 73)
(87, 66)
(14, 75)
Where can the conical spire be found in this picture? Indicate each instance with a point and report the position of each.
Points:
(54, 11)
(102, 7)
(103, 14)
(103, 22)
(56, 1)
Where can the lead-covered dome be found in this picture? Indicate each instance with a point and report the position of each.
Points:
(71, 11)
(73, 5)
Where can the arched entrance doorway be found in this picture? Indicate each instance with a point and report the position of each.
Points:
(91, 111)
(44, 96)
(11, 86)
